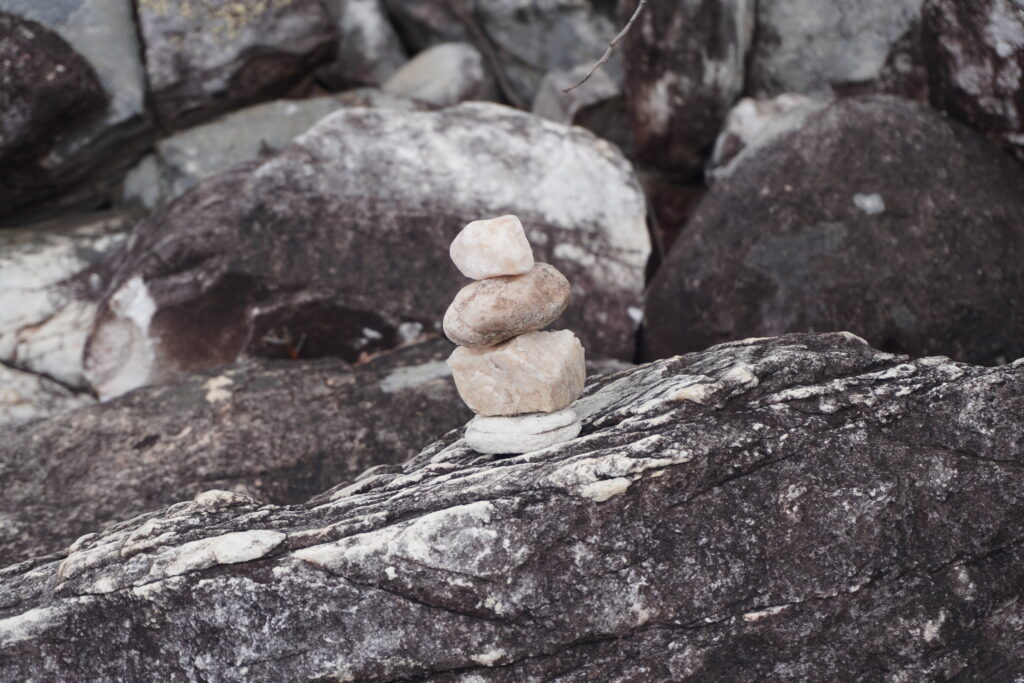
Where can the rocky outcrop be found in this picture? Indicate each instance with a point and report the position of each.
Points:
(25, 396)
(297, 254)
(802, 507)
(47, 90)
(976, 65)
(183, 159)
(811, 47)
(369, 49)
(49, 286)
(85, 159)
(685, 66)
(527, 38)
(282, 431)
(598, 105)
(209, 57)
(879, 216)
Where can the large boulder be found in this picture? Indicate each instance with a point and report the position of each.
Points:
(685, 66)
(338, 245)
(443, 75)
(26, 396)
(203, 58)
(527, 38)
(813, 47)
(46, 91)
(181, 160)
(369, 49)
(803, 508)
(976, 65)
(83, 162)
(282, 431)
(879, 216)
(50, 287)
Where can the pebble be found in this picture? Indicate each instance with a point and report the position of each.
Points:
(537, 372)
(492, 248)
(522, 433)
(490, 311)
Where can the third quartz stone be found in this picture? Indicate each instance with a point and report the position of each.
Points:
(537, 372)
(490, 311)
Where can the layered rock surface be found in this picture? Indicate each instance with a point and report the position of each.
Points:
(878, 215)
(227, 271)
(802, 507)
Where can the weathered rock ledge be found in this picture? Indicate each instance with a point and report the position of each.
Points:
(802, 507)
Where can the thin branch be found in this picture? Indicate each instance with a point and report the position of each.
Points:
(611, 47)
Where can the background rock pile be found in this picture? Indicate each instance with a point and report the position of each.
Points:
(224, 230)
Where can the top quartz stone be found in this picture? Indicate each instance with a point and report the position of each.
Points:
(492, 248)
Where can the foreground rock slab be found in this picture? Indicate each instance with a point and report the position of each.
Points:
(279, 430)
(298, 251)
(803, 507)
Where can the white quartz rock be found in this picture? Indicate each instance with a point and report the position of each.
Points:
(522, 433)
(491, 248)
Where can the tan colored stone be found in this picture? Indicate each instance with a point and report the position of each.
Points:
(492, 248)
(537, 372)
(490, 311)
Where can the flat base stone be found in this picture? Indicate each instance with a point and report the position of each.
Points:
(521, 433)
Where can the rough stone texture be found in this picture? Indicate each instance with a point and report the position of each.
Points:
(685, 65)
(490, 311)
(369, 49)
(183, 159)
(536, 372)
(443, 75)
(528, 37)
(754, 123)
(303, 247)
(279, 430)
(25, 396)
(879, 216)
(103, 32)
(492, 247)
(203, 58)
(46, 90)
(976, 65)
(49, 287)
(828, 512)
(807, 46)
(522, 433)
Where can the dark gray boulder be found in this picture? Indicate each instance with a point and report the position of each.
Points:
(47, 90)
(204, 58)
(803, 508)
(976, 66)
(879, 216)
(685, 65)
(279, 430)
(338, 245)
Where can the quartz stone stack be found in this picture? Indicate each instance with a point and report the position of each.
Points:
(518, 380)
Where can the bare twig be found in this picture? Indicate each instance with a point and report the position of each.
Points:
(611, 47)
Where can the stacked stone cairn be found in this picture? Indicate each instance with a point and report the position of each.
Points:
(518, 380)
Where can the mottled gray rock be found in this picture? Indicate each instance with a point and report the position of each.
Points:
(47, 90)
(302, 249)
(282, 431)
(209, 57)
(685, 65)
(802, 508)
(103, 32)
(369, 49)
(807, 46)
(598, 105)
(25, 396)
(527, 37)
(443, 75)
(49, 288)
(880, 216)
(976, 66)
(522, 433)
(183, 159)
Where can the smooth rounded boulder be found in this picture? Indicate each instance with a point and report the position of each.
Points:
(490, 311)
(879, 216)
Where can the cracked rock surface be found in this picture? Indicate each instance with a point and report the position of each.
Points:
(801, 507)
